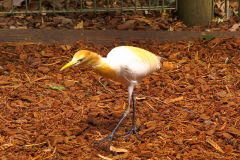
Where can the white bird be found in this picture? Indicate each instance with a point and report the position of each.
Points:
(125, 64)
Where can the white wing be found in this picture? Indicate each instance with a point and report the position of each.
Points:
(128, 64)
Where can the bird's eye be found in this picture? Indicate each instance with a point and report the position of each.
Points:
(78, 62)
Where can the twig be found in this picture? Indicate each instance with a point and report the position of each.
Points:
(50, 64)
(62, 57)
(38, 79)
(8, 52)
(36, 144)
(37, 157)
(52, 153)
(3, 118)
(29, 80)
(155, 98)
(214, 45)
(11, 86)
(234, 64)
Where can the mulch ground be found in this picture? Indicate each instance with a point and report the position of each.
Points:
(48, 114)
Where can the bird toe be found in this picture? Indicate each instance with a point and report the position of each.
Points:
(98, 143)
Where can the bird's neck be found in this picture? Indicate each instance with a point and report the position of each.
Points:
(101, 66)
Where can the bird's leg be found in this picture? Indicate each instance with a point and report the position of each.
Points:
(110, 137)
(134, 128)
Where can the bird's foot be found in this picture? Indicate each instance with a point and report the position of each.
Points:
(109, 137)
(131, 131)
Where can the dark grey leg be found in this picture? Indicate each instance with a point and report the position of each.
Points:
(133, 129)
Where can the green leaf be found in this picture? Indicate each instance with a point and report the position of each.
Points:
(208, 37)
(56, 87)
(42, 52)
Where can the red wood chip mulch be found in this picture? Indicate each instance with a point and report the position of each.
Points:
(48, 114)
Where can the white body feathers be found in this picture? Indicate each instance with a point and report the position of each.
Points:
(131, 63)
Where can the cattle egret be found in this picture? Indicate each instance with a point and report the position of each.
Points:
(125, 64)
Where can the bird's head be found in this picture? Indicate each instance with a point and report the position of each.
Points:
(80, 57)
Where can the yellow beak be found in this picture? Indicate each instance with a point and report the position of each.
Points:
(68, 65)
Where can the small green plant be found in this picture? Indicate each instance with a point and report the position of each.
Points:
(56, 87)
(208, 37)
(42, 52)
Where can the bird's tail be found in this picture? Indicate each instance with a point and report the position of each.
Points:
(160, 59)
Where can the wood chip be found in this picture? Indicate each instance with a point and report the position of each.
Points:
(214, 144)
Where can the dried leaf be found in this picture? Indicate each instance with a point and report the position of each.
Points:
(79, 25)
(17, 3)
(128, 24)
(66, 47)
(69, 83)
(118, 150)
(143, 19)
(44, 69)
(235, 27)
